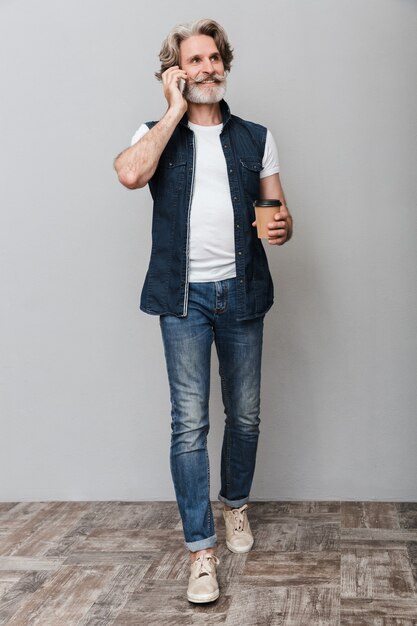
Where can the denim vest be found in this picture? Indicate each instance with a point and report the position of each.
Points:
(165, 290)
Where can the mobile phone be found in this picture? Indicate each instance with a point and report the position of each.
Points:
(181, 85)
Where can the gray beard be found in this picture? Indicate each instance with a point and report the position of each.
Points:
(205, 95)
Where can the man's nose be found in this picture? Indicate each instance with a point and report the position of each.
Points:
(208, 66)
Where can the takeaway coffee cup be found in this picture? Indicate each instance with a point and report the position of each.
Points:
(264, 212)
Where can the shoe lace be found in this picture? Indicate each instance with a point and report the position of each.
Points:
(238, 518)
(203, 564)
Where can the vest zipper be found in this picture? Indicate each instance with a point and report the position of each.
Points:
(185, 307)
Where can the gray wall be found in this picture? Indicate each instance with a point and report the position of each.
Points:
(84, 397)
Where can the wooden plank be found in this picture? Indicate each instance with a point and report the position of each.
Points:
(21, 512)
(138, 515)
(269, 511)
(75, 534)
(277, 536)
(35, 535)
(19, 595)
(114, 539)
(295, 568)
(378, 612)
(65, 597)
(286, 606)
(369, 573)
(8, 578)
(160, 602)
(369, 515)
(412, 555)
(24, 563)
(113, 598)
(407, 514)
(5, 507)
(318, 536)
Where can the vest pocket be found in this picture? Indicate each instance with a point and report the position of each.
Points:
(173, 162)
(250, 170)
(171, 173)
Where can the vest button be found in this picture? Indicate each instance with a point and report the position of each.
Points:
(231, 171)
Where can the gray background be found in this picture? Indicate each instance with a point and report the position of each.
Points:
(84, 398)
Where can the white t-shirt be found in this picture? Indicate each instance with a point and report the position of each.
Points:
(212, 244)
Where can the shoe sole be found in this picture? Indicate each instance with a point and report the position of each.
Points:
(239, 550)
(200, 599)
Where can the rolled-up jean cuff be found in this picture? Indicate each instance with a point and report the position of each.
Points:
(194, 546)
(234, 504)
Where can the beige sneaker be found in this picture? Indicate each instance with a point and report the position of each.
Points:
(239, 536)
(202, 584)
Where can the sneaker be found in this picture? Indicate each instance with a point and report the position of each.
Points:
(239, 536)
(202, 584)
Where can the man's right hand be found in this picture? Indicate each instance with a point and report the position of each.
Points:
(170, 80)
(136, 165)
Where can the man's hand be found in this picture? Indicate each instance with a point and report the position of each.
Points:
(280, 230)
(171, 84)
(136, 165)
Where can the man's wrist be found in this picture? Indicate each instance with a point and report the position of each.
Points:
(175, 112)
(289, 234)
(289, 224)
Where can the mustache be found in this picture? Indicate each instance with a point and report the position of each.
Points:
(200, 78)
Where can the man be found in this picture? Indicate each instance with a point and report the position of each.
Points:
(208, 278)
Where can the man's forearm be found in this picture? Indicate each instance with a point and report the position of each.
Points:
(137, 164)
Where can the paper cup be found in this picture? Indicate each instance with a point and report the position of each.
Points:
(264, 212)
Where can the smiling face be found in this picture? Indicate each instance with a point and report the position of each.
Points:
(200, 58)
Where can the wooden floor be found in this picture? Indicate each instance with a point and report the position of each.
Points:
(124, 563)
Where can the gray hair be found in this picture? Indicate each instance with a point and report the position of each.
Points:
(170, 50)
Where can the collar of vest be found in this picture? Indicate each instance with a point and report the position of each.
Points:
(224, 110)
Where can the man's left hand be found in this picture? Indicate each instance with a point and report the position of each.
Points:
(280, 230)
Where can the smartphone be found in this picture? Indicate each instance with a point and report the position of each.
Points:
(181, 85)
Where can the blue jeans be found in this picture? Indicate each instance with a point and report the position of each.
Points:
(187, 344)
